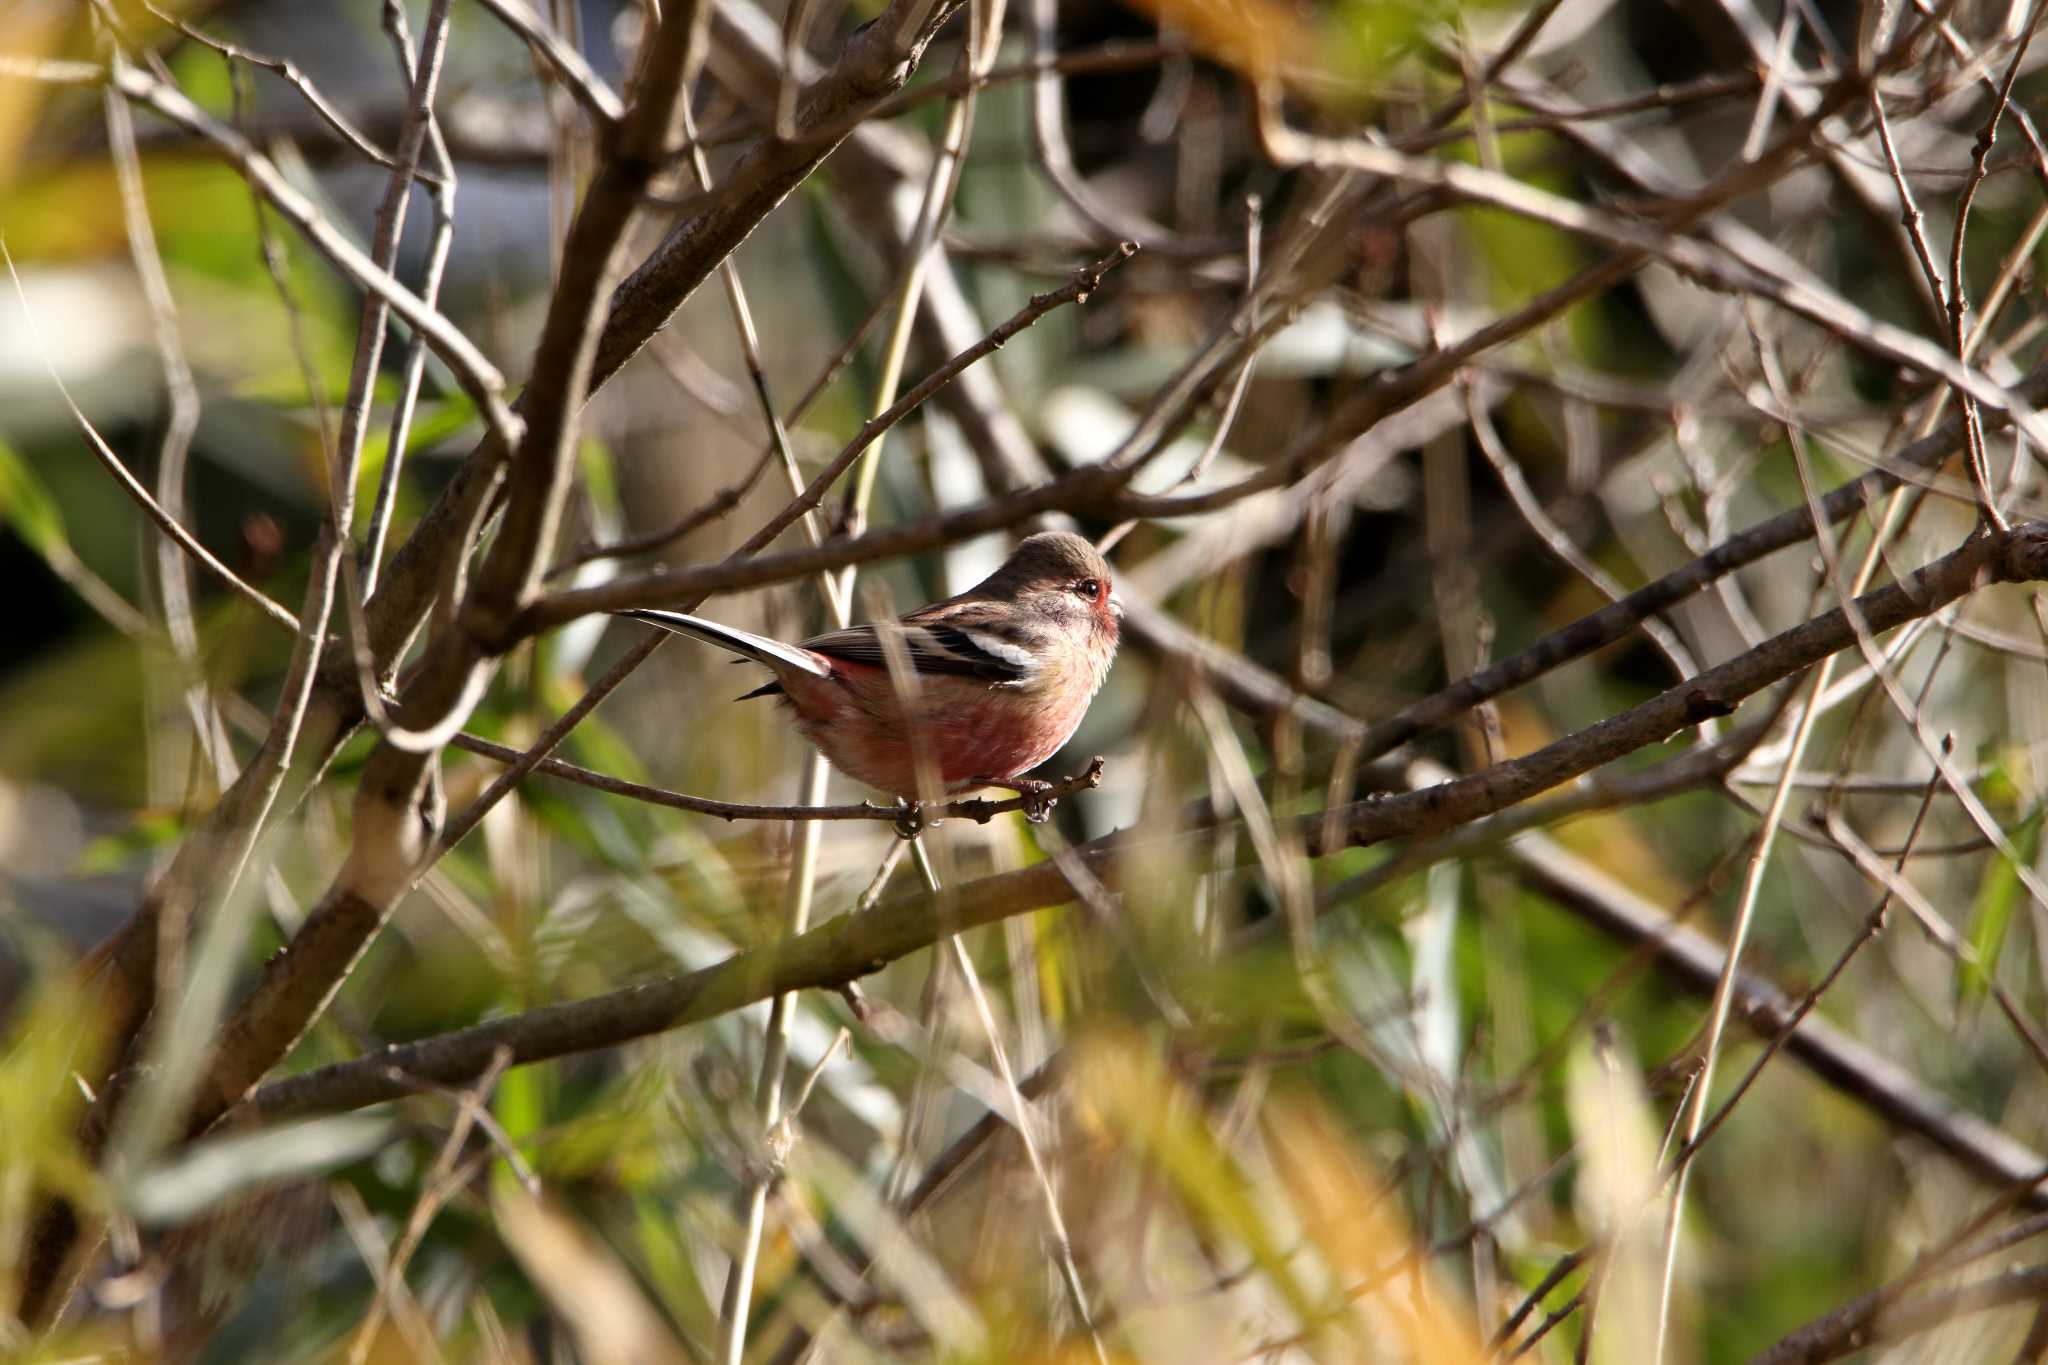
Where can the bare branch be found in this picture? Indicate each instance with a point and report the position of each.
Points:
(587, 86)
(289, 73)
(478, 377)
(1883, 1317)
(979, 810)
(133, 486)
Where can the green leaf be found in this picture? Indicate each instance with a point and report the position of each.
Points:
(521, 1105)
(26, 505)
(434, 421)
(56, 1032)
(600, 480)
(150, 831)
(214, 1171)
(1998, 896)
(205, 77)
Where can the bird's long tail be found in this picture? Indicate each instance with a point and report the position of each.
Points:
(759, 648)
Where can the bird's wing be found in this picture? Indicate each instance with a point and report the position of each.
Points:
(964, 650)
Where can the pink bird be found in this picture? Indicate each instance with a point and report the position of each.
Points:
(999, 676)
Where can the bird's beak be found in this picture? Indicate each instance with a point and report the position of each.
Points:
(1116, 604)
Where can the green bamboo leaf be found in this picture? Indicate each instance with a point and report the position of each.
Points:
(434, 421)
(1998, 896)
(523, 1104)
(214, 1171)
(150, 831)
(600, 478)
(26, 505)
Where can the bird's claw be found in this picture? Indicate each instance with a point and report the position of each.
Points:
(911, 820)
(1038, 801)
(1036, 796)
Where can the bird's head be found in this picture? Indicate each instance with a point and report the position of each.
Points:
(1059, 576)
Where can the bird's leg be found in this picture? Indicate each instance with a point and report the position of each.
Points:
(1037, 804)
(857, 1001)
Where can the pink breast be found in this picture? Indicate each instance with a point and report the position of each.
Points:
(966, 730)
(1002, 746)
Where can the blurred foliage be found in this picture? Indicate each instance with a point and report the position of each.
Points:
(1369, 1145)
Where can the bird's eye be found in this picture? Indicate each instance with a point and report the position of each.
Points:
(1089, 589)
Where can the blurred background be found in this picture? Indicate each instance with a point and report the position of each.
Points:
(1404, 1102)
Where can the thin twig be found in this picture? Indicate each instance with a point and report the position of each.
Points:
(443, 238)
(1951, 293)
(435, 1189)
(133, 486)
(1055, 1221)
(174, 573)
(728, 498)
(587, 86)
(1802, 732)
(1881, 1317)
(562, 606)
(478, 377)
(290, 73)
(977, 809)
(423, 77)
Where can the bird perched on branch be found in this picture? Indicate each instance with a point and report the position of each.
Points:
(993, 681)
